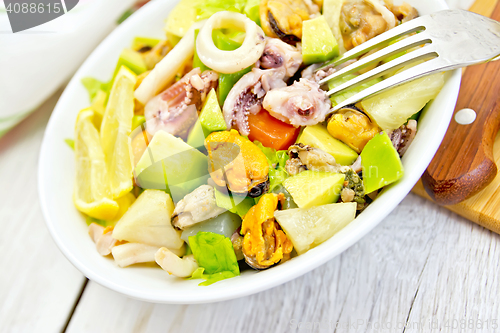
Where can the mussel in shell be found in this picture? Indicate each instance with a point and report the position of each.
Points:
(283, 18)
(264, 243)
(353, 127)
(304, 157)
(361, 20)
(153, 54)
(237, 163)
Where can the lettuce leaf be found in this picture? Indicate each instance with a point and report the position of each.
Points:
(205, 9)
(197, 274)
(282, 157)
(252, 10)
(277, 177)
(215, 256)
(217, 277)
(269, 152)
(210, 278)
(277, 161)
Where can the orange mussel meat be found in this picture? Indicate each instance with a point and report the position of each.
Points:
(237, 163)
(264, 243)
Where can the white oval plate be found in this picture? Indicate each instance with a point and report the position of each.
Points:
(56, 178)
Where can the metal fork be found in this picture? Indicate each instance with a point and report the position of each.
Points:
(451, 39)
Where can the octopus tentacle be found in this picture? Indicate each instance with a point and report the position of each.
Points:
(247, 95)
(300, 104)
(170, 111)
(280, 55)
(279, 61)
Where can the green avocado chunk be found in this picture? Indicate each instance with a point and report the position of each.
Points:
(380, 163)
(171, 165)
(211, 117)
(132, 60)
(313, 188)
(211, 120)
(317, 136)
(144, 42)
(196, 137)
(318, 42)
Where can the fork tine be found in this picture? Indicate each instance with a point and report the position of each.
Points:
(420, 54)
(378, 56)
(423, 69)
(380, 40)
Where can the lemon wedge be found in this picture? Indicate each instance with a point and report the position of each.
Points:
(115, 129)
(99, 106)
(92, 194)
(124, 203)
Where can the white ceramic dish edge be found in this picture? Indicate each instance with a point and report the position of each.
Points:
(56, 176)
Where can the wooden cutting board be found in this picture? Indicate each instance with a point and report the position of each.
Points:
(484, 207)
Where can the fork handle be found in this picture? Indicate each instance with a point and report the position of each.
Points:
(464, 163)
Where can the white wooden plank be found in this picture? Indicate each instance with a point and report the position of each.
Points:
(38, 286)
(373, 282)
(460, 284)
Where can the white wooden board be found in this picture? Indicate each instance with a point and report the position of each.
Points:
(38, 286)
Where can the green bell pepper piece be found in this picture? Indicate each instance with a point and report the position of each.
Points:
(227, 81)
(196, 60)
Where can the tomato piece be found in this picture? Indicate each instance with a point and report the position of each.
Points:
(271, 132)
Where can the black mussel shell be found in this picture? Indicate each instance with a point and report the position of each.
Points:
(251, 261)
(259, 189)
(289, 39)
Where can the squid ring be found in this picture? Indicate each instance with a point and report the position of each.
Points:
(228, 62)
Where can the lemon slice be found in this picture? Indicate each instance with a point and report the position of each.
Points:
(115, 129)
(124, 203)
(99, 106)
(92, 194)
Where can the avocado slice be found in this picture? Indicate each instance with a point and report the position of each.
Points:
(312, 188)
(132, 60)
(196, 137)
(317, 136)
(318, 42)
(211, 117)
(233, 202)
(211, 120)
(171, 165)
(380, 163)
(141, 43)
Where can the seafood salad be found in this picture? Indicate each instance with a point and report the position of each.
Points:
(216, 149)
